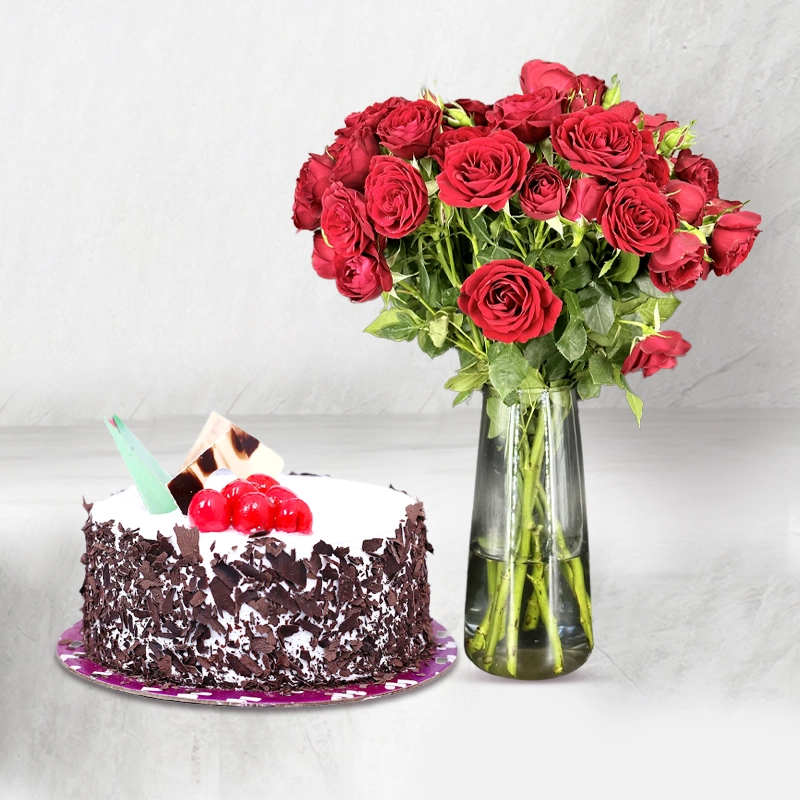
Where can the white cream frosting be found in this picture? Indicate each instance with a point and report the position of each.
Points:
(344, 512)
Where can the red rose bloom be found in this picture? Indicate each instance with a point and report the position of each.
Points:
(656, 126)
(483, 172)
(583, 199)
(537, 74)
(636, 217)
(732, 240)
(542, 193)
(527, 116)
(363, 276)
(371, 116)
(344, 220)
(509, 302)
(680, 264)
(591, 91)
(397, 199)
(687, 199)
(352, 157)
(599, 143)
(698, 170)
(656, 352)
(408, 131)
(313, 180)
(718, 205)
(475, 108)
(322, 257)
(450, 137)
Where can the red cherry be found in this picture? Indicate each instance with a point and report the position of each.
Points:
(253, 512)
(262, 482)
(209, 511)
(237, 487)
(280, 493)
(293, 516)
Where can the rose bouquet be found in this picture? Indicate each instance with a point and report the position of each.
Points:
(544, 238)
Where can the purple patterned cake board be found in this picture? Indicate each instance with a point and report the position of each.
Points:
(72, 656)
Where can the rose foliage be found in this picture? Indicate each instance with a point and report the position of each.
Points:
(544, 236)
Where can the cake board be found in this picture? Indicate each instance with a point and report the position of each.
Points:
(72, 656)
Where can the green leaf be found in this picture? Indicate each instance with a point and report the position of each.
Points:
(662, 309)
(397, 324)
(557, 257)
(556, 367)
(450, 297)
(600, 315)
(537, 350)
(572, 343)
(556, 224)
(609, 263)
(578, 276)
(646, 286)
(507, 368)
(626, 268)
(479, 227)
(428, 347)
(423, 281)
(636, 404)
(587, 388)
(601, 370)
(437, 329)
(531, 387)
(461, 397)
(498, 416)
(493, 253)
(468, 379)
(573, 305)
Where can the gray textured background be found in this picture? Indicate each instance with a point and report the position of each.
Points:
(149, 265)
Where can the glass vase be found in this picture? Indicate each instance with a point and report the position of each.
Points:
(528, 607)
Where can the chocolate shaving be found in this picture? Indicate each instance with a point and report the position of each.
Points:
(222, 596)
(371, 545)
(227, 574)
(188, 542)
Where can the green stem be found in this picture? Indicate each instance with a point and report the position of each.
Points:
(477, 642)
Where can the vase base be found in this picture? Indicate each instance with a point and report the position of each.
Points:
(536, 664)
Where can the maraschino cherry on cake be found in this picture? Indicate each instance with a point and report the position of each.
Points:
(232, 574)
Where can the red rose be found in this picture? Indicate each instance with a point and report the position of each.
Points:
(363, 276)
(591, 91)
(627, 110)
(450, 137)
(680, 264)
(397, 199)
(716, 206)
(538, 74)
(344, 220)
(408, 131)
(527, 116)
(509, 302)
(656, 167)
(583, 199)
(732, 239)
(687, 199)
(352, 157)
(659, 351)
(542, 193)
(322, 257)
(483, 172)
(636, 217)
(475, 108)
(599, 143)
(371, 116)
(698, 170)
(313, 180)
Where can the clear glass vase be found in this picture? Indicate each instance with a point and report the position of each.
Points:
(528, 608)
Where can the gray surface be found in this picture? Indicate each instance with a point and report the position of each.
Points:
(694, 686)
(148, 159)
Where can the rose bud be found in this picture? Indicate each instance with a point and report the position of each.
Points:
(698, 170)
(322, 257)
(542, 193)
(345, 221)
(656, 352)
(353, 157)
(732, 240)
(537, 74)
(371, 116)
(680, 264)
(363, 276)
(687, 199)
(527, 116)
(583, 199)
(313, 180)
(717, 206)
(591, 91)
(476, 109)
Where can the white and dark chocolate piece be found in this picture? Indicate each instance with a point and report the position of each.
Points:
(222, 445)
(349, 603)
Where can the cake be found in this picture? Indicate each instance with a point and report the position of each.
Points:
(343, 599)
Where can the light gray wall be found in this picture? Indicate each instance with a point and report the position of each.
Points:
(148, 153)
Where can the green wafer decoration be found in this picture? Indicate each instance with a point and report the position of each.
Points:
(148, 475)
